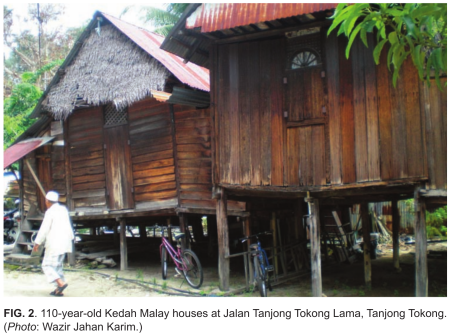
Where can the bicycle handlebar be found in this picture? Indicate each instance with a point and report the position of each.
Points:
(245, 238)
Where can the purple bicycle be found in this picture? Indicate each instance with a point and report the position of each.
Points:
(186, 261)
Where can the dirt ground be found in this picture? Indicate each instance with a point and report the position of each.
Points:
(143, 279)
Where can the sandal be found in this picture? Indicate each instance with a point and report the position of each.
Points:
(58, 292)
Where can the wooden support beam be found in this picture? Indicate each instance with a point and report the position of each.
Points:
(299, 230)
(142, 232)
(314, 233)
(185, 242)
(273, 228)
(71, 256)
(395, 235)
(364, 213)
(223, 241)
(246, 227)
(123, 246)
(36, 179)
(421, 246)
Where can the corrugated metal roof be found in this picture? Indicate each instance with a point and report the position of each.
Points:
(191, 74)
(219, 16)
(21, 149)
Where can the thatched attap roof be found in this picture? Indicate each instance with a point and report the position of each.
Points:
(108, 68)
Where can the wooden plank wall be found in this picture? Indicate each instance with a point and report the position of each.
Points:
(58, 168)
(87, 165)
(377, 132)
(152, 154)
(435, 121)
(193, 139)
(250, 128)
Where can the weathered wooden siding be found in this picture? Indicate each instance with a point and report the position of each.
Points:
(372, 131)
(58, 164)
(87, 164)
(250, 126)
(194, 163)
(435, 128)
(152, 154)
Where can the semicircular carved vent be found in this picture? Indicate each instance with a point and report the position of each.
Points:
(305, 58)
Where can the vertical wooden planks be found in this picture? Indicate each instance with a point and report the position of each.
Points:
(293, 156)
(318, 155)
(373, 138)
(399, 149)
(436, 135)
(332, 73)
(414, 141)
(265, 112)
(359, 99)
(276, 105)
(234, 114)
(347, 115)
(385, 117)
(244, 113)
(255, 125)
(224, 119)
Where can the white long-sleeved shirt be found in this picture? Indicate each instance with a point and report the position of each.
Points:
(56, 231)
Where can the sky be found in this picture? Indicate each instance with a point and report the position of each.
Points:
(78, 13)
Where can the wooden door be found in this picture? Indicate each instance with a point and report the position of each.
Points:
(119, 178)
(305, 98)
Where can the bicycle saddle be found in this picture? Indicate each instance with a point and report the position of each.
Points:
(178, 236)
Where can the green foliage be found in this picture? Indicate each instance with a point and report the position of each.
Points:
(416, 30)
(162, 20)
(19, 105)
(438, 218)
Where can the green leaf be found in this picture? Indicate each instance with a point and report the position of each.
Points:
(350, 41)
(341, 16)
(393, 39)
(424, 10)
(363, 36)
(377, 51)
(410, 25)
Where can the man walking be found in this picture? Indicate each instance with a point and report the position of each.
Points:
(57, 234)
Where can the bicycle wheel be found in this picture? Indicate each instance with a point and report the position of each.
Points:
(260, 275)
(192, 269)
(164, 262)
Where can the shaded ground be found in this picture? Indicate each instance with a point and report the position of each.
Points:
(339, 280)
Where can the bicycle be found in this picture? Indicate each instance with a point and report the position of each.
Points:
(260, 263)
(186, 261)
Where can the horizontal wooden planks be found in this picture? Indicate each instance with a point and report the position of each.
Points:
(193, 156)
(87, 163)
(152, 151)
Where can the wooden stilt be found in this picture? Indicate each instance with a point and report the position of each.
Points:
(395, 235)
(184, 229)
(71, 256)
(316, 267)
(247, 231)
(364, 213)
(222, 234)
(142, 232)
(123, 246)
(273, 228)
(421, 246)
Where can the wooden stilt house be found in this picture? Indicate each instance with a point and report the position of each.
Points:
(123, 133)
(298, 126)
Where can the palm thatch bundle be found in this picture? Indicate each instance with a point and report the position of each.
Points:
(109, 68)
